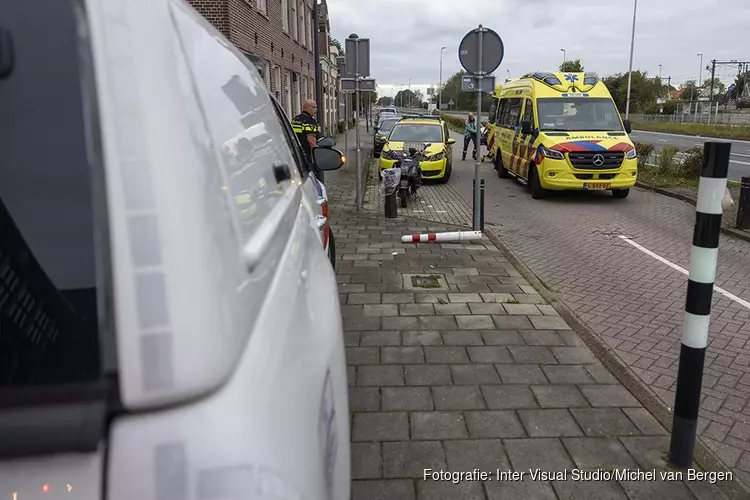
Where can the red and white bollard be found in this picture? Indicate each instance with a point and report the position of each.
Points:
(443, 237)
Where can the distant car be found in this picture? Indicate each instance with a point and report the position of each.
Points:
(421, 129)
(170, 324)
(381, 133)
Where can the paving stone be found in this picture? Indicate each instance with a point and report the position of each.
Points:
(431, 298)
(397, 298)
(489, 354)
(530, 298)
(352, 311)
(406, 398)
(604, 422)
(403, 489)
(644, 421)
(522, 309)
(474, 374)
(494, 424)
(361, 323)
(496, 298)
(437, 425)
(502, 337)
(601, 374)
(446, 354)
(363, 298)
(542, 338)
(407, 355)
(380, 310)
(532, 354)
(428, 375)
(458, 337)
(648, 452)
(416, 309)
(422, 337)
(549, 423)
(512, 323)
(380, 338)
(587, 490)
(521, 374)
(500, 397)
(538, 453)
(366, 461)
(351, 339)
(609, 395)
(401, 323)
(483, 454)
(364, 399)
(458, 298)
(347, 288)
(663, 490)
(437, 323)
(559, 396)
(362, 355)
(526, 488)
(458, 398)
(380, 375)
(487, 308)
(410, 459)
(380, 426)
(444, 490)
(567, 374)
(549, 323)
(452, 309)
(573, 355)
(351, 375)
(478, 322)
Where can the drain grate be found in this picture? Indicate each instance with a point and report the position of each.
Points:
(431, 282)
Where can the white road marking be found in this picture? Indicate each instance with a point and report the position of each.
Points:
(740, 162)
(689, 136)
(741, 154)
(441, 211)
(662, 140)
(674, 266)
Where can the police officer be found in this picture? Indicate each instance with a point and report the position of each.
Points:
(308, 132)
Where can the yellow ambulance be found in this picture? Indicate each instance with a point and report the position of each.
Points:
(562, 131)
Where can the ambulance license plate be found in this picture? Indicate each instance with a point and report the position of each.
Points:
(595, 186)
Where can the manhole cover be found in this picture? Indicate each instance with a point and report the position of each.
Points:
(427, 282)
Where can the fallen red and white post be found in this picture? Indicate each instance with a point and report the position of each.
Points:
(443, 237)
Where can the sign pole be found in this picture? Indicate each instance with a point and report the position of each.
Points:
(477, 138)
(346, 127)
(358, 174)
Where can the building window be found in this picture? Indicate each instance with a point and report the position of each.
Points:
(285, 15)
(293, 18)
(261, 4)
(301, 21)
(267, 75)
(308, 27)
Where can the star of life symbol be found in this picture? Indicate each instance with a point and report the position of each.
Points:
(571, 78)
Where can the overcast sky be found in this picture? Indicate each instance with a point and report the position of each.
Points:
(406, 35)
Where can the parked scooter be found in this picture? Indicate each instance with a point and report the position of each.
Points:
(411, 172)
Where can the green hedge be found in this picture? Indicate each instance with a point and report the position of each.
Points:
(456, 123)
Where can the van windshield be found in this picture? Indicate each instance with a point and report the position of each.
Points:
(578, 114)
(416, 133)
(387, 126)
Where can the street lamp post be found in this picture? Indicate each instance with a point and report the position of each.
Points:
(409, 105)
(565, 55)
(700, 70)
(630, 67)
(440, 87)
(660, 74)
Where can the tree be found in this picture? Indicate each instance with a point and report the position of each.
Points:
(404, 97)
(451, 91)
(643, 93)
(572, 66)
(338, 46)
(719, 87)
(384, 101)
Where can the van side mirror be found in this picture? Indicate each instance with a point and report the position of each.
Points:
(526, 127)
(450, 140)
(326, 142)
(628, 126)
(327, 158)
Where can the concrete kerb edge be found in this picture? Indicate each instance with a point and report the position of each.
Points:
(687, 199)
(704, 457)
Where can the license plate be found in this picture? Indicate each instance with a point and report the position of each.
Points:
(590, 186)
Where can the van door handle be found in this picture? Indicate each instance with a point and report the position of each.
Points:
(260, 242)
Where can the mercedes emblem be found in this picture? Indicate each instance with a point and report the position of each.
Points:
(598, 160)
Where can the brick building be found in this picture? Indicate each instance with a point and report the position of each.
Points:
(279, 33)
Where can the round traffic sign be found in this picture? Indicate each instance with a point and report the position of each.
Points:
(493, 51)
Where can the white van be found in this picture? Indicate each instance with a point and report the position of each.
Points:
(169, 320)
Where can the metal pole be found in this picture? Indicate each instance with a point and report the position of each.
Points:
(358, 174)
(409, 105)
(346, 128)
(440, 87)
(630, 68)
(700, 287)
(367, 114)
(477, 139)
(743, 205)
(711, 98)
(316, 55)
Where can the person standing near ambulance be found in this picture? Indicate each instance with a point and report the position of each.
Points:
(470, 134)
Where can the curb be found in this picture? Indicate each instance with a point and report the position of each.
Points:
(688, 199)
(704, 457)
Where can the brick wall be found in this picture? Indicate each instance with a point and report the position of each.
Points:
(262, 35)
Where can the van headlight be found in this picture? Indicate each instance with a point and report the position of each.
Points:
(552, 154)
(436, 157)
(390, 155)
(631, 154)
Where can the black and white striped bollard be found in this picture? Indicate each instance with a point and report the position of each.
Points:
(703, 257)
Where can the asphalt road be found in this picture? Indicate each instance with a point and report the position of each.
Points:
(619, 264)
(739, 165)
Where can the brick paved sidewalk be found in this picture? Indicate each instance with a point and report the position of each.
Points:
(481, 374)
